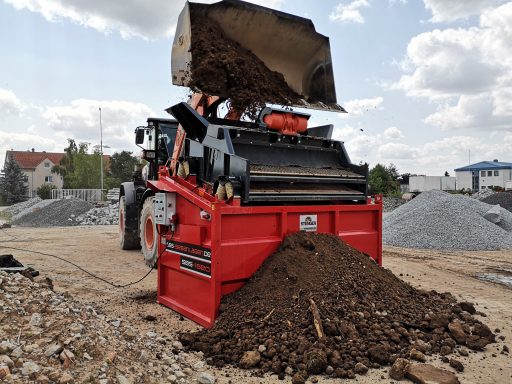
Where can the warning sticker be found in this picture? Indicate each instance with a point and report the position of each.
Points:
(308, 223)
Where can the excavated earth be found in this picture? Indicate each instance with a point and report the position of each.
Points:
(222, 67)
(368, 315)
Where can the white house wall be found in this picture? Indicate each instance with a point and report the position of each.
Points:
(464, 180)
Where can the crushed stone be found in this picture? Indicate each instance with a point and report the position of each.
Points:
(439, 220)
(54, 213)
(107, 215)
(48, 337)
(482, 194)
(390, 203)
(15, 209)
(504, 199)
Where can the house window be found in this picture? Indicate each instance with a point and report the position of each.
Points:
(47, 164)
(496, 173)
(489, 173)
(48, 179)
(482, 173)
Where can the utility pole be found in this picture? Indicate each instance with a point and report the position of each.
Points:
(101, 156)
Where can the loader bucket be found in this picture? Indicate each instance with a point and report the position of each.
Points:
(285, 43)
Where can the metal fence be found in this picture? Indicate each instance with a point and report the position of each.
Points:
(84, 194)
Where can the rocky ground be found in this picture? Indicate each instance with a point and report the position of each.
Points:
(156, 327)
(50, 337)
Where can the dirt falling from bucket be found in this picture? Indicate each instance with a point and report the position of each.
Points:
(221, 67)
(319, 306)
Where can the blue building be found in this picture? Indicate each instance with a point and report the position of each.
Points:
(483, 175)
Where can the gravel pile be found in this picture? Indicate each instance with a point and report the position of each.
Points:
(54, 213)
(107, 215)
(318, 306)
(504, 199)
(482, 194)
(32, 210)
(439, 220)
(390, 203)
(15, 209)
(46, 337)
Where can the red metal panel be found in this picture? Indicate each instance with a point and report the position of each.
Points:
(238, 239)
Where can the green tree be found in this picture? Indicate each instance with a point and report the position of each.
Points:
(383, 179)
(87, 170)
(79, 168)
(121, 166)
(45, 191)
(13, 183)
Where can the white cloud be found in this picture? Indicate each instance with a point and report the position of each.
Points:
(9, 103)
(349, 12)
(451, 10)
(80, 120)
(393, 133)
(397, 151)
(357, 107)
(466, 71)
(26, 141)
(147, 19)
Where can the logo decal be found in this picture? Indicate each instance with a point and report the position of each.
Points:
(196, 266)
(308, 223)
(192, 250)
(193, 258)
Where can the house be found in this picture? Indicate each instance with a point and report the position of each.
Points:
(483, 175)
(37, 166)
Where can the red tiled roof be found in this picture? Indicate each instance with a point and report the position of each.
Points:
(30, 160)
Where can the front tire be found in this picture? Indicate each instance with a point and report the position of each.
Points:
(127, 239)
(148, 233)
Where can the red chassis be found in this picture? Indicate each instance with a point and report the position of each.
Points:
(216, 245)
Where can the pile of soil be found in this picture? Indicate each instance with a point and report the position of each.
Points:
(221, 67)
(369, 316)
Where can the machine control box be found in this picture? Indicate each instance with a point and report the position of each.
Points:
(165, 207)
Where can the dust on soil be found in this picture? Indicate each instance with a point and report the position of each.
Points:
(369, 315)
(222, 67)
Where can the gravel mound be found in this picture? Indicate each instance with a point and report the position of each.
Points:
(46, 337)
(439, 220)
(15, 209)
(482, 194)
(367, 316)
(390, 203)
(107, 215)
(504, 199)
(54, 213)
(33, 209)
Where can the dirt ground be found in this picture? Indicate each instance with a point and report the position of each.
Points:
(96, 250)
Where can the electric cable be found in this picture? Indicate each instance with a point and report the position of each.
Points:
(86, 271)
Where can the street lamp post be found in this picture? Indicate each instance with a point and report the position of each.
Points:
(101, 155)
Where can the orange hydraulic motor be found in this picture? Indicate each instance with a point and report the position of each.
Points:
(283, 121)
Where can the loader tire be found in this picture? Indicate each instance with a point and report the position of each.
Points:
(127, 239)
(148, 233)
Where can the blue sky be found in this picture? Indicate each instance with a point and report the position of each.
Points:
(426, 82)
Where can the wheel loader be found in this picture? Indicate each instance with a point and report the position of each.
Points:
(220, 193)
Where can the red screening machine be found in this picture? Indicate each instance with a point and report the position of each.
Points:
(234, 189)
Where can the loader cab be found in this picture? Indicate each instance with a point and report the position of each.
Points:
(157, 143)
